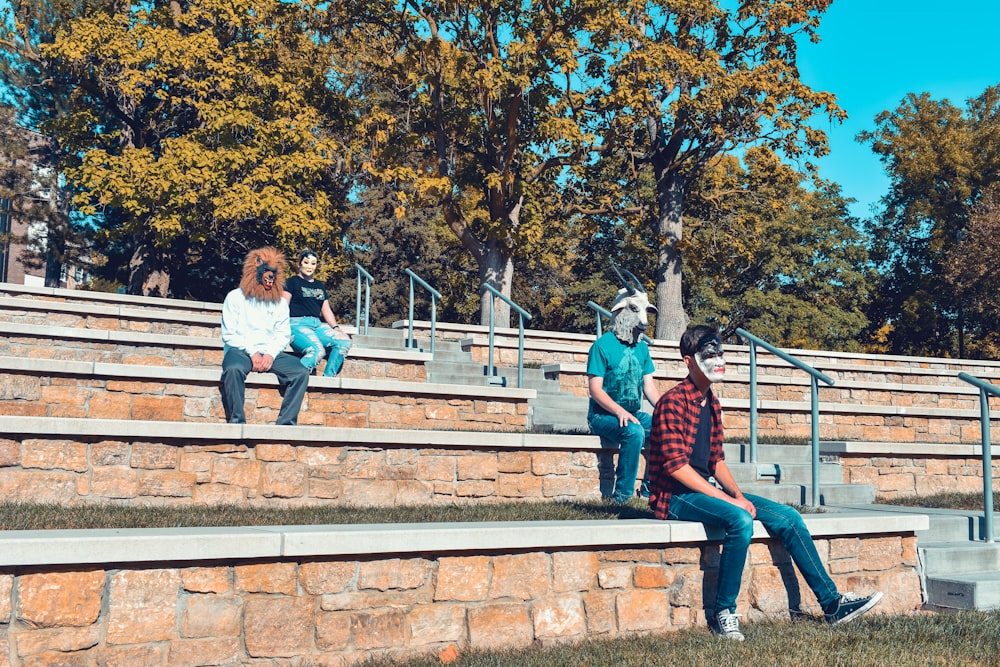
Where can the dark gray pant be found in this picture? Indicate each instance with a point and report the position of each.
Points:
(293, 378)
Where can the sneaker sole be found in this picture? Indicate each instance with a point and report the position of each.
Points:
(876, 597)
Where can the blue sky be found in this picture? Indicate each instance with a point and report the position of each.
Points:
(874, 52)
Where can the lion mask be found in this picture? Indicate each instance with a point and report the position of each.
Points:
(263, 274)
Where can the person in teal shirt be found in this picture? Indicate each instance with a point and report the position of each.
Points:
(619, 374)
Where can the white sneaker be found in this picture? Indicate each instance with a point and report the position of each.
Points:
(728, 625)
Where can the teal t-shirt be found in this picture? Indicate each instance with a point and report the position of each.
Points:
(622, 367)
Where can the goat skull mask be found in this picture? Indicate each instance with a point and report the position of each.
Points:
(630, 310)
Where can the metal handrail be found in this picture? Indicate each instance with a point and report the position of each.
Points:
(602, 311)
(522, 316)
(814, 376)
(984, 421)
(368, 300)
(435, 295)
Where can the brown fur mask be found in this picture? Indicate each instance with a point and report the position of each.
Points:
(260, 264)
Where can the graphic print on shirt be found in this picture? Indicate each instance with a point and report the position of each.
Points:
(624, 384)
(313, 293)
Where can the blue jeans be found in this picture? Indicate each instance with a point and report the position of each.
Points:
(314, 339)
(629, 440)
(781, 521)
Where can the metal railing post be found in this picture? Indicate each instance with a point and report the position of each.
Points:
(523, 315)
(984, 421)
(368, 300)
(599, 311)
(814, 375)
(814, 402)
(985, 389)
(753, 402)
(435, 295)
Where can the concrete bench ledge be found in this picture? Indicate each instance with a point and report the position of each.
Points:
(45, 367)
(126, 311)
(50, 332)
(194, 432)
(555, 341)
(154, 545)
(896, 449)
(84, 296)
(858, 409)
(326, 435)
(800, 379)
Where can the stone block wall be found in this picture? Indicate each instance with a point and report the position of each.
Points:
(338, 611)
(72, 471)
(26, 393)
(111, 318)
(905, 476)
(192, 355)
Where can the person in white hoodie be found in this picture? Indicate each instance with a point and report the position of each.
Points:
(255, 332)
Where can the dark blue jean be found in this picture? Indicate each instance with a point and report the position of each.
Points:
(781, 521)
(629, 439)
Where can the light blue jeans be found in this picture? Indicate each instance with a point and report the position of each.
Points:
(629, 440)
(781, 521)
(314, 340)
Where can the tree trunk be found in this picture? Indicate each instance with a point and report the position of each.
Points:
(671, 320)
(496, 268)
(146, 279)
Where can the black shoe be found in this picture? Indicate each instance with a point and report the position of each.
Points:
(727, 625)
(849, 607)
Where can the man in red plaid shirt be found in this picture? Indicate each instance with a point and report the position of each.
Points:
(690, 481)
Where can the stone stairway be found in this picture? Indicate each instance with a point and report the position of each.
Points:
(959, 571)
(954, 575)
(784, 473)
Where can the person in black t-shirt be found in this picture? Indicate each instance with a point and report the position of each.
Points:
(315, 332)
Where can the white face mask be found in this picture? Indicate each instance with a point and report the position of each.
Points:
(709, 358)
(712, 365)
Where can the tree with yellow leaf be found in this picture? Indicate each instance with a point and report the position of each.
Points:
(202, 127)
(691, 80)
(482, 110)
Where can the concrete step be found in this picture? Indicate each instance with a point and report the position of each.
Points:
(978, 591)
(739, 451)
(789, 494)
(793, 473)
(561, 401)
(946, 525)
(465, 371)
(801, 494)
(842, 494)
(950, 558)
(381, 338)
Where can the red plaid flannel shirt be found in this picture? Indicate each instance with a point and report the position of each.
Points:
(675, 425)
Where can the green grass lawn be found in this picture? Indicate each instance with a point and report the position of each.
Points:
(967, 638)
(955, 501)
(35, 516)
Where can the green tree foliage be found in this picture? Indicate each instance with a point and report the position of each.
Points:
(688, 81)
(384, 245)
(940, 159)
(203, 128)
(33, 93)
(767, 254)
(487, 112)
(970, 272)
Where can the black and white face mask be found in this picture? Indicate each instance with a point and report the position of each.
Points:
(709, 357)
